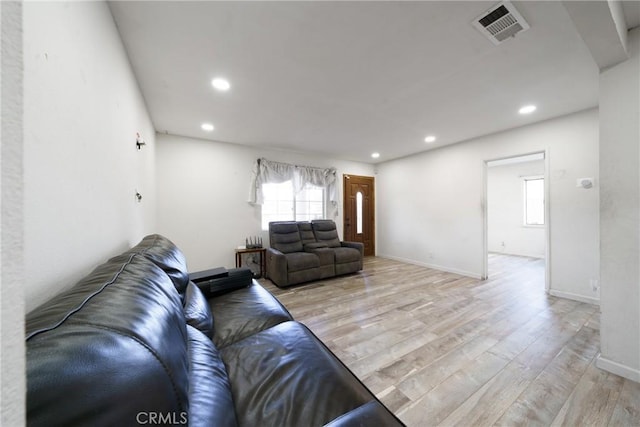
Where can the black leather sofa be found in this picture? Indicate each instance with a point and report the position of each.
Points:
(304, 251)
(135, 342)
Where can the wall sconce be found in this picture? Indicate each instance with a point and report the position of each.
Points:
(139, 141)
(138, 196)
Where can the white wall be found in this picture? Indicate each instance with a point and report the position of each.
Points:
(505, 211)
(620, 214)
(12, 348)
(82, 109)
(430, 206)
(203, 193)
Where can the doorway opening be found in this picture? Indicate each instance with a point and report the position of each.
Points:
(516, 216)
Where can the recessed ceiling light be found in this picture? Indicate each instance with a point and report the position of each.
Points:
(527, 109)
(430, 139)
(207, 126)
(375, 155)
(220, 84)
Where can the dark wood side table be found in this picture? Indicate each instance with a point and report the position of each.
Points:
(263, 258)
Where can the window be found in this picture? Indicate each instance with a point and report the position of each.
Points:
(359, 212)
(280, 204)
(534, 201)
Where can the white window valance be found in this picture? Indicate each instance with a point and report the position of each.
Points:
(268, 171)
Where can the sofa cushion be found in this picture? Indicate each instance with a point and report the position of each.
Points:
(285, 237)
(306, 232)
(210, 399)
(166, 255)
(109, 348)
(270, 388)
(298, 261)
(196, 310)
(245, 312)
(346, 255)
(326, 232)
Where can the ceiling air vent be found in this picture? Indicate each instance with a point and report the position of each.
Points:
(500, 22)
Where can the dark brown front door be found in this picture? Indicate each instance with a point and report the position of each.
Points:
(359, 211)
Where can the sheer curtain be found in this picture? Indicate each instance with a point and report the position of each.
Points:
(267, 171)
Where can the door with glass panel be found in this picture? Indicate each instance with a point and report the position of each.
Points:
(359, 211)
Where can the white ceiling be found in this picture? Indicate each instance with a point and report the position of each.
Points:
(345, 79)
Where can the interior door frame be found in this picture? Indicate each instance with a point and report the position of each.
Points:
(345, 179)
(547, 213)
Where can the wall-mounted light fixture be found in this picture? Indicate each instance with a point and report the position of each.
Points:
(139, 141)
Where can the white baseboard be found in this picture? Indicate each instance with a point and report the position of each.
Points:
(618, 369)
(526, 255)
(575, 297)
(434, 266)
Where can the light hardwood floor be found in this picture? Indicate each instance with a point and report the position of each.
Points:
(442, 349)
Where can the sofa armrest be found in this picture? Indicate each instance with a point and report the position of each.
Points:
(220, 280)
(277, 267)
(212, 273)
(310, 247)
(355, 245)
(372, 413)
